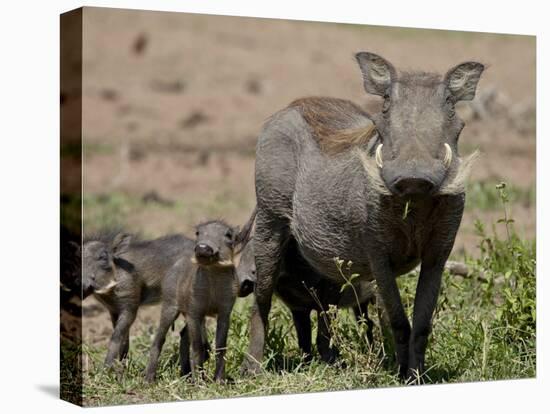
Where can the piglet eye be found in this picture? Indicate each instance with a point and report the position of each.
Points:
(386, 105)
(103, 260)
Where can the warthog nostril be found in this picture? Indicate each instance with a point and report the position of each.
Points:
(203, 250)
(412, 186)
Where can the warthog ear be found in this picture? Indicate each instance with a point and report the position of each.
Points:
(243, 237)
(378, 73)
(121, 243)
(462, 80)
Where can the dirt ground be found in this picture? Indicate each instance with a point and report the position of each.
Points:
(173, 103)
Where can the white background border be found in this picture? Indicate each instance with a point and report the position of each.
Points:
(29, 175)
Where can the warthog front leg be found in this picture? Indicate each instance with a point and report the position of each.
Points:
(389, 293)
(125, 346)
(258, 333)
(425, 301)
(120, 335)
(185, 362)
(269, 246)
(222, 329)
(429, 282)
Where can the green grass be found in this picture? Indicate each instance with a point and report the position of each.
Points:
(105, 211)
(111, 210)
(71, 212)
(482, 195)
(96, 148)
(484, 329)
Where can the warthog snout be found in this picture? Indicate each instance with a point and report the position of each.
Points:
(412, 186)
(205, 251)
(246, 271)
(246, 287)
(247, 282)
(409, 179)
(87, 290)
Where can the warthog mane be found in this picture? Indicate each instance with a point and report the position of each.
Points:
(330, 120)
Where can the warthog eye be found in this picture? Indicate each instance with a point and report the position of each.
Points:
(103, 256)
(103, 260)
(386, 105)
(229, 234)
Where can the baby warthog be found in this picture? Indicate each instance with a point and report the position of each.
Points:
(202, 284)
(303, 290)
(124, 273)
(385, 192)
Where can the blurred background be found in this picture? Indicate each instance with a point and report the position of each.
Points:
(173, 104)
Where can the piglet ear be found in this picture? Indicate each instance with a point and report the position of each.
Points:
(244, 235)
(121, 244)
(462, 80)
(378, 73)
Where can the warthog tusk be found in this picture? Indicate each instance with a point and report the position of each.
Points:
(448, 156)
(225, 263)
(221, 263)
(106, 289)
(378, 156)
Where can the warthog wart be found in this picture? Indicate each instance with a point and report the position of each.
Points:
(339, 187)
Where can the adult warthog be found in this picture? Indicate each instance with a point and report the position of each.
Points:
(386, 192)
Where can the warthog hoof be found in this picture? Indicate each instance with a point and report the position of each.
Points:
(150, 377)
(250, 367)
(330, 355)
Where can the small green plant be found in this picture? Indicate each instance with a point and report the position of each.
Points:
(348, 280)
(481, 195)
(508, 266)
(358, 334)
